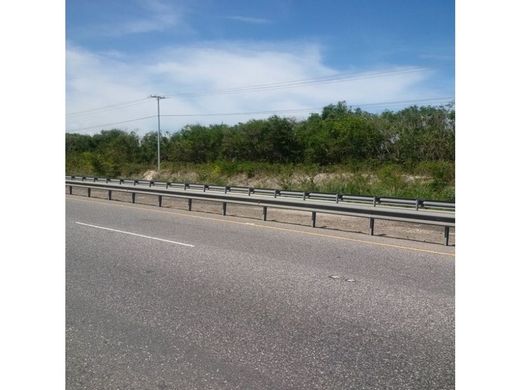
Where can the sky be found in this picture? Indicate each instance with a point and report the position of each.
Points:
(231, 61)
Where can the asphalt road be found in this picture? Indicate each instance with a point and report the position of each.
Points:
(164, 299)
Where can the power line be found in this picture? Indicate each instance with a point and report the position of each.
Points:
(394, 102)
(338, 77)
(245, 113)
(309, 108)
(109, 107)
(115, 123)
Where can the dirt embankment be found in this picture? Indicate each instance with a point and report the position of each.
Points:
(378, 182)
(297, 179)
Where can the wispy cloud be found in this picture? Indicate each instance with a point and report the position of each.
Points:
(95, 80)
(150, 16)
(437, 57)
(248, 19)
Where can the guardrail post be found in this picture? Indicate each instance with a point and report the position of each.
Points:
(167, 184)
(133, 197)
(151, 183)
(226, 189)
(204, 186)
(264, 213)
(135, 182)
(446, 235)
(337, 198)
(224, 207)
(376, 200)
(314, 219)
(304, 195)
(186, 185)
(121, 181)
(109, 194)
(189, 204)
(249, 191)
(371, 226)
(160, 200)
(88, 192)
(70, 190)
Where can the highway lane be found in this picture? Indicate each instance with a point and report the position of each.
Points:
(247, 307)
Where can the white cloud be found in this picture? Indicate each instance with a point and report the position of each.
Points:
(95, 80)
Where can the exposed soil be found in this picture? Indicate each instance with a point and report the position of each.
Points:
(298, 179)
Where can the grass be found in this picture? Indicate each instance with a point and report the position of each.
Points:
(425, 180)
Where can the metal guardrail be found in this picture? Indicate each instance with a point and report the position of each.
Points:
(294, 200)
(418, 204)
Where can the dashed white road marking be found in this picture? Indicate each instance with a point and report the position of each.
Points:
(135, 234)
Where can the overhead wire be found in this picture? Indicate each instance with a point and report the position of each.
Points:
(109, 107)
(243, 113)
(115, 123)
(307, 109)
(447, 99)
(338, 77)
(393, 103)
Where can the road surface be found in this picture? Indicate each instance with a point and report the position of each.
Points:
(167, 299)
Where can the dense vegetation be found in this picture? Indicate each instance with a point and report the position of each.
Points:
(374, 149)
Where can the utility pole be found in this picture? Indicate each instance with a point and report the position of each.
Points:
(158, 131)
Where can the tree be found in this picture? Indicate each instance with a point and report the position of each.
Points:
(336, 135)
(196, 143)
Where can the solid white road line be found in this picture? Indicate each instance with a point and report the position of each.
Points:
(135, 234)
(259, 225)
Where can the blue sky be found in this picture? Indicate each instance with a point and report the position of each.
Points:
(371, 52)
